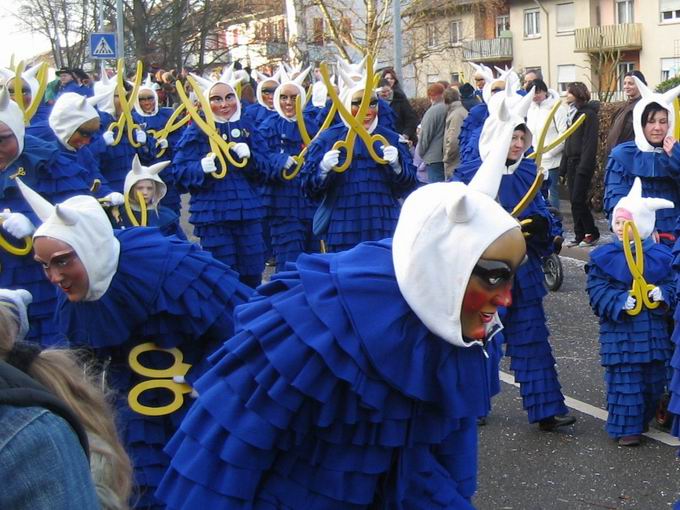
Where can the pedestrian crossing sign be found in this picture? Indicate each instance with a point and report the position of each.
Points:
(103, 45)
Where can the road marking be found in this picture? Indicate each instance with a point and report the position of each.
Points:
(598, 413)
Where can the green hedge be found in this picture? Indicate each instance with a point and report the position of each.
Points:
(668, 84)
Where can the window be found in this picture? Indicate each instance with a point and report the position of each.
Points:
(502, 24)
(621, 70)
(455, 78)
(317, 31)
(670, 10)
(624, 11)
(431, 32)
(532, 26)
(565, 18)
(432, 78)
(455, 33)
(565, 75)
(670, 67)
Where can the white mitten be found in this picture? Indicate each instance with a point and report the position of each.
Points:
(656, 294)
(391, 155)
(208, 164)
(330, 159)
(163, 143)
(140, 136)
(630, 303)
(114, 198)
(16, 224)
(241, 150)
(108, 137)
(290, 162)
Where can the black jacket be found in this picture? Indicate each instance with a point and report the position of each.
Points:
(580, 149)
(406, 119)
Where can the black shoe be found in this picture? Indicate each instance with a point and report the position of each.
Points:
(554, 422)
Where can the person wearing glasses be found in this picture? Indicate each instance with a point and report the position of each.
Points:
(38, 126)
(263, 108)
(226, 212)
(362, 202)
(354, 381)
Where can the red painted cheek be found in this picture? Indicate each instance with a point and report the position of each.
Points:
(474, 300)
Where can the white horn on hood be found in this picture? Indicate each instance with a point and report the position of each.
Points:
(42, 208)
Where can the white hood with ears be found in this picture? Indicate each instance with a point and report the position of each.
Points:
(70, 111)
(642, 209)
(665, 100)
(140, 172)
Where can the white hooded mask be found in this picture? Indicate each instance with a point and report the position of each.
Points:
(140, 173)
(148, 87)
(642, 209)
(487, 74)
(104, 95)
(665, 100)
(28, 76)
(70, 111)
(81, 223)
(228, 78)
(295, 82)
(13, 117)
(443, 230)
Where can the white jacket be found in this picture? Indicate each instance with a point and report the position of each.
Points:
(536, 117)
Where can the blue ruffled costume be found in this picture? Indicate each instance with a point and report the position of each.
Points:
(660, 176)
(226, 213)
(633, 349)
(470, 131)
(288, 210)
(162, 218)
(164, 291)
(320, 403)
(56, 175)
(674, 385)
(526, 334)
(366, 205)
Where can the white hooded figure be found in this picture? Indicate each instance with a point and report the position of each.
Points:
(12, 117)
(231, 81)
(266, 85)
(665, 100)
(638, 209)
(69, 113)
(28, 77)
(290, 87)
(147, 89)
(153, 190)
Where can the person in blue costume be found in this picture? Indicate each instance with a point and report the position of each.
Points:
(260, 111)
(55, 174)
(526, 333)
(362, 203)
(355, 379)
(151, 308)
(153, 118)
(635, 344)
(654, 156)
(226, 212)
(115, 159)
(68, 82)
(145, 180)
(468, 139)
(289, 211)
(30, 88)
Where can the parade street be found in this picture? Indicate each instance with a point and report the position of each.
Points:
(579, 467)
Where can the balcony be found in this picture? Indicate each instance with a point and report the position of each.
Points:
(622, 37)
(488, 50)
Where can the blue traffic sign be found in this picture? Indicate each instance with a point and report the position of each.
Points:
(103, 45)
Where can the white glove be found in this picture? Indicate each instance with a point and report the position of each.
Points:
(403, 139)
(108, 137)
(16, 224)
(656, 294)
(391, 155)
(140, 136)
(330, 159)
(208, 164)
(241, 150)
(630, 303)
(545, 172)
(114, 198)
(163, 143)
(289, 163)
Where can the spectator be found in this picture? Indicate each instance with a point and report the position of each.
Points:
(621, 129)
(406, 118)
(579, 160)
(480, 81)
(391, 77)
(543, 102)
(68, 82)
(529, 76)
(455, 116)
(433, 126)
(468, 97)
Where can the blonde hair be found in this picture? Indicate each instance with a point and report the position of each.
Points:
(79, 385)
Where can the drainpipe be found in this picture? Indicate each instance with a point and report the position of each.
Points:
(547, 33)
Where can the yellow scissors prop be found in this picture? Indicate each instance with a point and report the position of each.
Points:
(356, 127)
(218, 146)
(19, 251)
(173, 124)
(541, 149)
(143, 221)
(36, 100)
(126, 123)
(636, 263)
(171, 379)
(300, 158)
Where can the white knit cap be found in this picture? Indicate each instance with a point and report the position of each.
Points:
(70, 111)
(443, 230)
(12, 116)
(140, 173)
(665, 100)
(81, 223)
(642, 209)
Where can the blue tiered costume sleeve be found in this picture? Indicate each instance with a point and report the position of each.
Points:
(635, 350)
(660, 176)
(470, 131)
(367, 193)
(56, 175)
(226, 213)
(288, 210)
(168, 292)
(318, 402)
(526, 333)
(674, 405)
